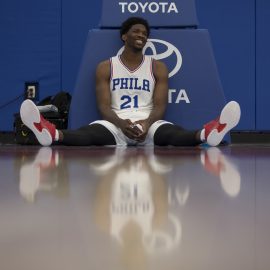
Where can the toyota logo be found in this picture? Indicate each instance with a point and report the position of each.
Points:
(152, 48)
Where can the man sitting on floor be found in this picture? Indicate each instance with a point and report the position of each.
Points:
(132, 94)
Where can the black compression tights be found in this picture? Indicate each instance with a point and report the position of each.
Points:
(94, 134)
(168, 134)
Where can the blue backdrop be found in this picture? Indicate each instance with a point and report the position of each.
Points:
(44, 41)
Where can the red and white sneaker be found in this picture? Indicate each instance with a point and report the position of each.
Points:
(31, 117)
(228, 119)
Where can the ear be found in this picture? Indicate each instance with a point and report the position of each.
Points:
(124, 37)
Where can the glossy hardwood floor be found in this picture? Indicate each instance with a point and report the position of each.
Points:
(99, 208)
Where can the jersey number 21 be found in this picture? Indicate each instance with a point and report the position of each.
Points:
(129, 102)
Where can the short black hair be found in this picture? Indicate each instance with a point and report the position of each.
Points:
(127, 24)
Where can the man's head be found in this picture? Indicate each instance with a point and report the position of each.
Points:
(127, 24)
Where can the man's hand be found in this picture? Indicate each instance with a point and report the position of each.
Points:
(130, 129)
(145, 127)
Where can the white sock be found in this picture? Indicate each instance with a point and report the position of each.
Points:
(56, 137)
(202, 135)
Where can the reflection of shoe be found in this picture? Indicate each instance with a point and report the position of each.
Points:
(29, 181)
(228, 119)
(230, 179)
(31, 172)
(217, 164)
(211, 161)
(31, 117)
(47, 157)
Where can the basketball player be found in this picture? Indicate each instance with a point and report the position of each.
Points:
(132, 94)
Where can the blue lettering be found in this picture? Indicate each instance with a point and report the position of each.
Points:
(136, 85)
(124, 83)
(115, 83)
(146, 85)
(131, 84)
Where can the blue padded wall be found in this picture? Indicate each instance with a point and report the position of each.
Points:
(78, 17)
(263, 65)
(30, 50)
(231, 25)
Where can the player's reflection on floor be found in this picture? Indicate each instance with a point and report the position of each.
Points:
(131, 206)
(216, 163)
(186, 165)
(40, 173)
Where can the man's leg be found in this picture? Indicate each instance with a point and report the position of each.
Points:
(46, 133)
(212, 132)
(168, 134)
(94, 134)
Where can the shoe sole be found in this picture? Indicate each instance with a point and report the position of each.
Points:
(230, 115)
(30, 115)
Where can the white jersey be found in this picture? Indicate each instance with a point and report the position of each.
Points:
(132, 200)
(132, 98)
(132, 91)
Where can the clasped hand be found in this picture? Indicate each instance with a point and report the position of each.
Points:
(132, 131)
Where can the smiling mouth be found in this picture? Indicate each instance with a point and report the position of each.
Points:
(139, 42)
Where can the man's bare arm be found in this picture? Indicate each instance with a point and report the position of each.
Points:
(103, 93)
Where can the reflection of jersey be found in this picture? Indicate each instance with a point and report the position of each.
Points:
(132, 91)
(131, 201)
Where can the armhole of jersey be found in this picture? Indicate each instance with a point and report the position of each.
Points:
(111, 68)
(152, 70)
